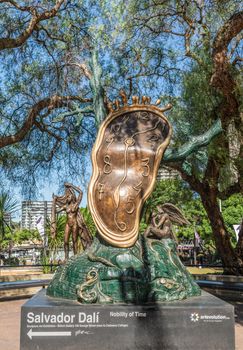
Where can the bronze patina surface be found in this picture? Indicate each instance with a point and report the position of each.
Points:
(75, 226)
(121, 265)
(126, 157)
(162, 220)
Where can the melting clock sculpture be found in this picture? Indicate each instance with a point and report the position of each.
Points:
(126, 157)
(123, 265)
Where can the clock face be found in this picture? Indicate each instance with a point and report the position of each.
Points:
(126, 157)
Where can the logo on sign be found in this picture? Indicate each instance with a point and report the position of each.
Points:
(194, 317)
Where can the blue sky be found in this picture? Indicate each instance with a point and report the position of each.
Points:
(48, 186)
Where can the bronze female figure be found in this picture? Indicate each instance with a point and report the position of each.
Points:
(75, 225)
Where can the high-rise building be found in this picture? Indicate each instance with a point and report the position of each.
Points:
(167, 173)
(7, 219)
(35, 215)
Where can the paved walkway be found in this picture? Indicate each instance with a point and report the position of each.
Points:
(10, 324)
(239, 325)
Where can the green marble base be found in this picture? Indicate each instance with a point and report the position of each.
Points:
(147, 272)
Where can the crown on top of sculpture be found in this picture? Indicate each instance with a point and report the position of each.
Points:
(145, 100)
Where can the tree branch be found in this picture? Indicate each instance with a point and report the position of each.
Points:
(238, 39)
(51, 36)
(83, 67)
(50, 103)
(44, 128)
(17, 6)
(189, 53)
(10, 43)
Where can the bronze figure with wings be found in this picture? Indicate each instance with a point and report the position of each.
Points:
(162, 220)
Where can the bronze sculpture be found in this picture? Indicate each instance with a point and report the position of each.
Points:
(162, 219)
(122, 265)
(75, 225)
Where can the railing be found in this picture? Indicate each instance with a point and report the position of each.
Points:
(25, 265)
(232, 286)
(53, 265)
(23, 284)
(2, 267)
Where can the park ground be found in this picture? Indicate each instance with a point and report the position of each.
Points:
(10, 325)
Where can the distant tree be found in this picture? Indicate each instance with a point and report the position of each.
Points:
(15, 236)
(24, 235)
(174, 191)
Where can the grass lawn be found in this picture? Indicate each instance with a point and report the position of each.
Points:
(205, 270)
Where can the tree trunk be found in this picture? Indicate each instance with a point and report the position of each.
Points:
(231, 259)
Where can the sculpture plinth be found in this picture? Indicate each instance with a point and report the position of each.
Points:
(204, 322)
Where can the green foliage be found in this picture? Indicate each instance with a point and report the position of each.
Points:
(178, 193)
(45, 261)
(89, 221)
(8, 206)
(26, 235)
(57, 242)
(12, 261)
(17, 236)
(41, 68)
(232, 209)
(174, 191)
(197, 217)
(193, 113)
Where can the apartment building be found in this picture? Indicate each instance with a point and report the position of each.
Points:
(35, 214)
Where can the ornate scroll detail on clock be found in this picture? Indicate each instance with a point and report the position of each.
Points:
(126, 156)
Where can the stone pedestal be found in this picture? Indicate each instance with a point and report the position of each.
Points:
(202, 322)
